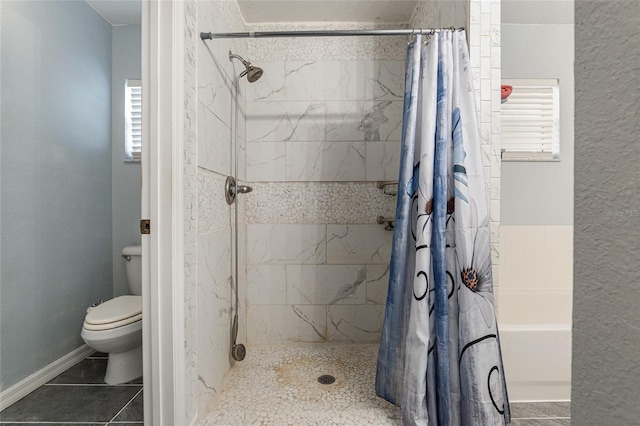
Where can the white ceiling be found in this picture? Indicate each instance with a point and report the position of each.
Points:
(257, 11)
(123, 12)
(118, 12)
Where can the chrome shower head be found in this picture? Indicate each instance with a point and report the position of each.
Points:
(252, 73)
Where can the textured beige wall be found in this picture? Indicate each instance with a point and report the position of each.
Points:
(606, 334)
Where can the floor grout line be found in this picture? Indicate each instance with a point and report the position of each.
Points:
(125, 406)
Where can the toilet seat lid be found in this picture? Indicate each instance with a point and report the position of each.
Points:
(115, 310)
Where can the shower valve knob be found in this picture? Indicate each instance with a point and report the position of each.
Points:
(232, 189)
(244, 189)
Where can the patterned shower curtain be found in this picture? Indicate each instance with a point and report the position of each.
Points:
(440, 354)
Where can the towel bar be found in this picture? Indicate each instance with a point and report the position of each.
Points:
(388, 222)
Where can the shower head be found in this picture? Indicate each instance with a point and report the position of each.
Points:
(252, 73)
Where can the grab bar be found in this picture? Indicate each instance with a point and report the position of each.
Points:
(382, 183)
(388, 222)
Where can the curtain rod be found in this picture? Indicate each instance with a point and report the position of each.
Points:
(324, 33)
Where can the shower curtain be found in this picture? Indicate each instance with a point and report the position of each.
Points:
(439, 355)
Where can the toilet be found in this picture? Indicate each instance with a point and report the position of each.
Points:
(115, 326)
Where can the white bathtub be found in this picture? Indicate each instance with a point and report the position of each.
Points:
(535, 334)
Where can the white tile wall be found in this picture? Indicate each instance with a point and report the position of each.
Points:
(286, 244)
(279, 121)
(271, 85)
(325, 161)
(361, 324)
(382, 160)
(313, 124)
(286, 324)
(365, 120)
(311, 104)
(266, 161)
(212, 97)
(214, 142)
(267, 284)
(384, 80)
(214, 313)
(297, 276)
(326, 284)
(358, 244)
(377, 284)
(191, 211)
(324, 80)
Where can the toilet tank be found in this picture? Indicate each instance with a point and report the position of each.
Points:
(134, 268)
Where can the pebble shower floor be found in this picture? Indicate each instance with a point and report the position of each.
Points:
(278, 385)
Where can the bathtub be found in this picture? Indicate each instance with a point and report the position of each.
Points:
(535, 335)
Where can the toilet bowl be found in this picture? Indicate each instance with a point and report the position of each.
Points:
(115, 326)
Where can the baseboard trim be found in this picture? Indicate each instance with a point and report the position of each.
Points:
(27, 385)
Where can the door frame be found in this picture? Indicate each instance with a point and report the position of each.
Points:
(163, 204)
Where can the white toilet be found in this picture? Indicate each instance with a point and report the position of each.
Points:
(115, 326)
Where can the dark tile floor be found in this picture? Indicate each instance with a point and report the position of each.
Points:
(79, 396)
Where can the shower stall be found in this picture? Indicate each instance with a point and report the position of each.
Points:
(317, 136)
(311, 137)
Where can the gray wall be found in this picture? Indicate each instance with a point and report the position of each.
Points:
(540, 193)
(606, 335)
(126, 179)
(55, 179)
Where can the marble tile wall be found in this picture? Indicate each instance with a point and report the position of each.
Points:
(215, 228)
(310, 283)
(190, 194)
(319, 134)
(325, 121)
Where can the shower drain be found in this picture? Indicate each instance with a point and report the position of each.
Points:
(326, 379)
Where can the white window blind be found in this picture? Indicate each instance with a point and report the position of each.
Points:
(133, 120)
(531, 120)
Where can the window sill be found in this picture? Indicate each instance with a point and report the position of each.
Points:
(132, 160)
(529, 157)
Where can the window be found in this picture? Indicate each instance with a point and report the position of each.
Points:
(531, 121)
(133, 120)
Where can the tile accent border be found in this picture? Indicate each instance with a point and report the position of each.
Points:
(328, 48)
(318, 203)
